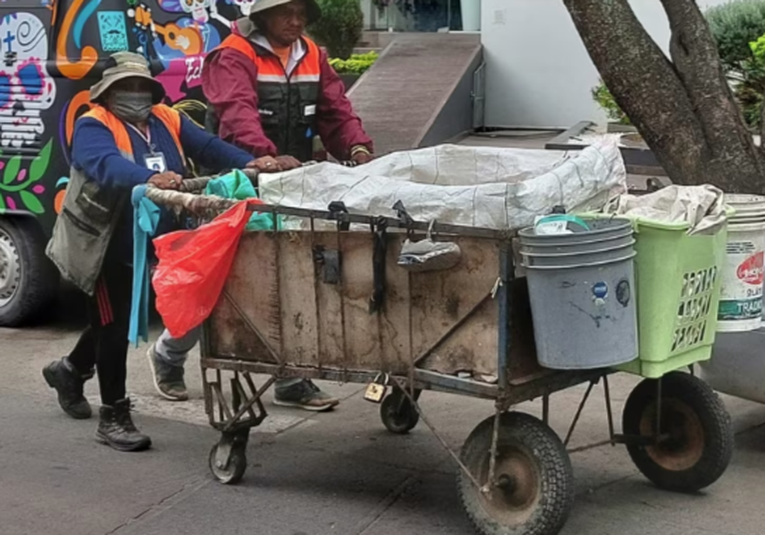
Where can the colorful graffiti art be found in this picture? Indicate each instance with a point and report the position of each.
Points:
(245, 6)
(200, 10)
(180, 46)
(72, 28)
(26, 89)
(19, 187)
(38, 112)
(113, 31)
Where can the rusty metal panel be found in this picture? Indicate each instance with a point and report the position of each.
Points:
(247, 317)
(276, 300)
(297, 299)
(442, 298)
(330, 309)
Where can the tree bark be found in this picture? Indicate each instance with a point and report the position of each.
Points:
(683, 107)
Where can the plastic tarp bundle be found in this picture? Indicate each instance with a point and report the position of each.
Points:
(475, 186)
(702, 207)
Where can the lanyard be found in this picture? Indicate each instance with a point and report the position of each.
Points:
(146, 137)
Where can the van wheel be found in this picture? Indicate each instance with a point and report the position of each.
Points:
(28, 280)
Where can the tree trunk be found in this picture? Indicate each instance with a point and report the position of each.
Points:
(683, 107)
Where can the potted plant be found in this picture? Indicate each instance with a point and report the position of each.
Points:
(340, 27)
(618, 120)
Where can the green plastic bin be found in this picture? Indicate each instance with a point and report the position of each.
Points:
(678, 281)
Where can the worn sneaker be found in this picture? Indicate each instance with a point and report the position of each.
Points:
(304, 395)
(168, 380)
(68, 383)
(116, 428)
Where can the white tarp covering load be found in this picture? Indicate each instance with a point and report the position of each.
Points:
(701, 207)
(474, 186)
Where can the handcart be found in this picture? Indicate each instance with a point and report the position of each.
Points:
(331, 303)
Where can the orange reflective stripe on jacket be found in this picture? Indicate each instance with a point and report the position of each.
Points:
(270, 68)
(168, 116)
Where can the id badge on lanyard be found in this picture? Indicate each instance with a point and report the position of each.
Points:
(154, 160)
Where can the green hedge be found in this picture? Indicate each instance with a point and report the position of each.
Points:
(356, 64)
(734, 26)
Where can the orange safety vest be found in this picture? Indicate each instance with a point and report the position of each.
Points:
(167, 115)
(90, 213)
(287, 104)
(270, 68)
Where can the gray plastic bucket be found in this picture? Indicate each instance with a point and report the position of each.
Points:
(582, 293)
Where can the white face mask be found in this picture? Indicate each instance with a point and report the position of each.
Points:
(131, 106)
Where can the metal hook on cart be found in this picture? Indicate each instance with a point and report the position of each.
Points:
(336, 208)
(404, 217)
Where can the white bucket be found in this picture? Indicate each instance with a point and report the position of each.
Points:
(471, 15)
(742, 278)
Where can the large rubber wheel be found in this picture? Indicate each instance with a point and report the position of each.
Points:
(696, 441)
(237, 465)
(28, 280)
(398, 414)
(534, 493)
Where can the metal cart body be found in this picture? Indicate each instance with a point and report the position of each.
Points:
(334, 304)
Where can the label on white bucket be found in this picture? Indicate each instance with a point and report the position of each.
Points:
(742, 282)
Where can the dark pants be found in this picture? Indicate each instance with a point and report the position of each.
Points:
(104, 343)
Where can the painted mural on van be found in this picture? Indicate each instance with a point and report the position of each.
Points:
(54, 51)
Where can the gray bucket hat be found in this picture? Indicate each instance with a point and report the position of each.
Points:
(314, 11)
(121, 65)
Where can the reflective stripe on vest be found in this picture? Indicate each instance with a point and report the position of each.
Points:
(167, 116)
(270, 68)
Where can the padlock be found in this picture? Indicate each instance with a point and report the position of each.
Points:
(376, 390)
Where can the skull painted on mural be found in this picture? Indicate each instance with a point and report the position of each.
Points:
(198, 9)
(26, 89)
(245, 6)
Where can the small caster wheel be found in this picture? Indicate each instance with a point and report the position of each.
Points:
(237, 464)
(533, 488)
(398, 413)
(695, 442)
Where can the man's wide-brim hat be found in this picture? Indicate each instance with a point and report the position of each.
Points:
(120, 66)
(314, 11)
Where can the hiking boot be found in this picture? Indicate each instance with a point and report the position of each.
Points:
(68, 383)
(168, 380)
(304, 395)
(116, 428)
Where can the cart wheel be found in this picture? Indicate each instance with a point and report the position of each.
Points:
(534, 489)
(697, 441)
(237, 464)
(398, 413)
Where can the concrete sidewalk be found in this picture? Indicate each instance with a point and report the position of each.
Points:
(308, 474)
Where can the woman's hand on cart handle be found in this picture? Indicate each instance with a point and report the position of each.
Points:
(168, 180)
(265, 164)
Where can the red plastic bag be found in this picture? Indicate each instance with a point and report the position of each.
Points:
(193, 267)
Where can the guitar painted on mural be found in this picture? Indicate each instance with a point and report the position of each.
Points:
(187, 40)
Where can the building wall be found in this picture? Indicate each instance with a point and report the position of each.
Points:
(538, 71)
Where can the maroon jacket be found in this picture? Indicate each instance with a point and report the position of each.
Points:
(229, 81)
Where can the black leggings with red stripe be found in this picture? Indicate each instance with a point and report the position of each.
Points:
(104, 343)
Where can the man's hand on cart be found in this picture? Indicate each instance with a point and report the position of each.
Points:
(168, 180)
(287, 163)
(361, 155)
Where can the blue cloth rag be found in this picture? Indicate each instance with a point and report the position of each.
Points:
(145, 222)
(236, 185)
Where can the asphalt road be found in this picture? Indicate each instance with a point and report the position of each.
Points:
(308, 474)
